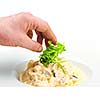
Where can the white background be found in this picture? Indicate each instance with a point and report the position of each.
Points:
(75, 22)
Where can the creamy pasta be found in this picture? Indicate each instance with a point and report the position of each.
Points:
(37, 74)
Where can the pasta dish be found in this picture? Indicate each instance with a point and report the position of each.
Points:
(37, 74)
(50, 70)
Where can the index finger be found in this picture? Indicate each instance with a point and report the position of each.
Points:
(44, 28)
(50, 35)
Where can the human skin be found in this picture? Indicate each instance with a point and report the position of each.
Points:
(16, 30)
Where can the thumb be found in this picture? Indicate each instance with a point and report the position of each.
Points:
(27, 43)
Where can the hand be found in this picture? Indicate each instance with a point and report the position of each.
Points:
(16, 30)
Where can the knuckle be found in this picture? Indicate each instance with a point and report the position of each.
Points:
(46, 23)
(26, 14)
(47, 26)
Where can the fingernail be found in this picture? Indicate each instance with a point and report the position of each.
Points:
(40, 48)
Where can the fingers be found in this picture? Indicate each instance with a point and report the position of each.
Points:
(39, 37)
(43, 27)
(26, 42)
(30, 34)
(50, 35)
(46, 42)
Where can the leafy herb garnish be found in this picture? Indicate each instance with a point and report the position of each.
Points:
(50, 55)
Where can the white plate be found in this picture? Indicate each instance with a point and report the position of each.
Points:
(86, 70)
